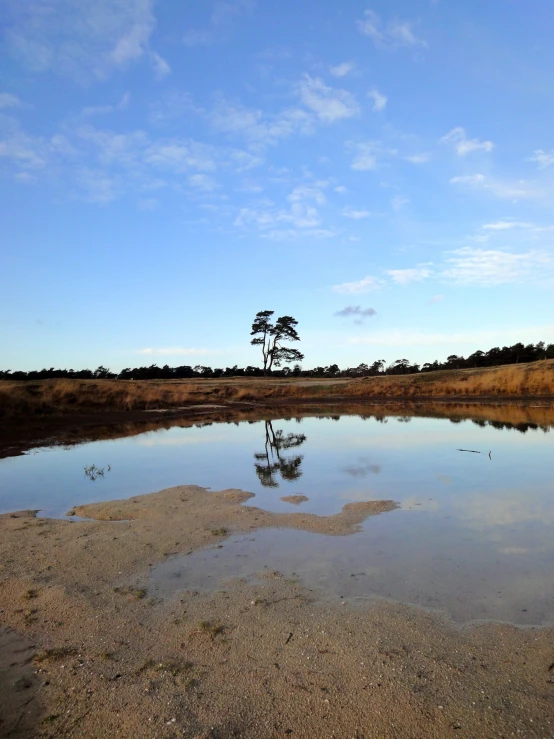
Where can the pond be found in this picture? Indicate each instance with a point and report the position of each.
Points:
(472, 533)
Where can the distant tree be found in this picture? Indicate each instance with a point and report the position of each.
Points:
(377, 367)
(270, 336)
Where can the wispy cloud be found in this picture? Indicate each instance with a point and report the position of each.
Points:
(300, 215)
(356, 215)
(437, 299)
(399, 202)
(499, 188)
(393, 35)
(506, 225)
(379, 100)
(467, 266)
(543, 158)
(202, 182)
(160, 66)
(406, 276)
(422, 158)
(221, 22)
(177, 351)
(82, 40)
(488, 267)
(7, 100)
(365, 158)
(256, 127)
(361, 286)
(463, 146)
(341, 70)
(329, 104)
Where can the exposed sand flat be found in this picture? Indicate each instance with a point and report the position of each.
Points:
(253, 660)
(295, 499)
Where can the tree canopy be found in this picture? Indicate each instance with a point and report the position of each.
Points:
(271, 336)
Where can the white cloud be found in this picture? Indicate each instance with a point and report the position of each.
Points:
(259, 129)
(341, 70)
(328, 104)
(506, 225)
(474, 180)
(299, 217)
(379, 100)
(309, 192)
(341, 189)
(7, 100)
(463, 146)
(488, 267)
(543, 158)
(25, 151)
(361, 286)
(365, 159)
(399, 202)
(422, 158)
(393, 35)
(405, 276)
(181, 155)
(437, 299)
(177, 351)
(356, 215)
(161, 67)
(202, 182)
(82, 40)
(499, 188)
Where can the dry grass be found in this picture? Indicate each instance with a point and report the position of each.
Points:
(74, 396)
(513, 380)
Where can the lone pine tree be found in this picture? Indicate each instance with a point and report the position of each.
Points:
(271, 336)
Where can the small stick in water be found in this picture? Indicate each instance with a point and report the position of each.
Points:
(468, 450)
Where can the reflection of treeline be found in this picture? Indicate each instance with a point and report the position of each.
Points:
(521, 427)
(518, 353)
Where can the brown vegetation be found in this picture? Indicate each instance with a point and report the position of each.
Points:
(76, 396)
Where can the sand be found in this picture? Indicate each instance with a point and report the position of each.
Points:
(86, 651)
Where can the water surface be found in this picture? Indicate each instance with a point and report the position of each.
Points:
(472, 534)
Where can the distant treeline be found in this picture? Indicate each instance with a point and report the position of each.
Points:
(492, 358)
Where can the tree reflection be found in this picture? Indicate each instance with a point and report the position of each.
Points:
(271, 463)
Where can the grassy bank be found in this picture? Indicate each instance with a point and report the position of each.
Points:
(78, 396)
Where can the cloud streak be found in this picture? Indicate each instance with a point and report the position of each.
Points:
(464, 146)
(392, 35)
(81, 40)
(329, 104)
(364, 285)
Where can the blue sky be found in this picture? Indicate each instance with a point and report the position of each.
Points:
(168, 169)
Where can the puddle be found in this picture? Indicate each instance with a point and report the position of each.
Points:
(473, 534)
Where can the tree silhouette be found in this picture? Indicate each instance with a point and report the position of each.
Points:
(271, 462)
(270, 336)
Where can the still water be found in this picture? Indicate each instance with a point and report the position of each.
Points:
(472, 534)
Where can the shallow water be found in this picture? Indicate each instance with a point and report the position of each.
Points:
(472, 534)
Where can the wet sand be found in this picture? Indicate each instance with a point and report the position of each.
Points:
(85, 651)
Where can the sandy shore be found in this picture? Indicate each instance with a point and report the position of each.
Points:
(85, 651)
